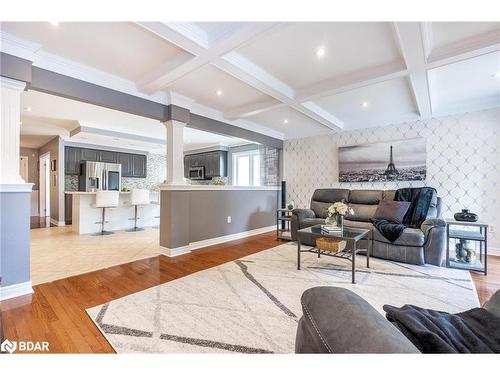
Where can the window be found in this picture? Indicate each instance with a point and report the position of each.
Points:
(246, 168)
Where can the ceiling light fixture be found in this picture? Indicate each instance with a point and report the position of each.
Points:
(219, 92)
(28, 109)
(320, 52)
(364, 104)
(54, 23)
(285, 121)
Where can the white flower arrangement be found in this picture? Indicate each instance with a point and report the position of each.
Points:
(339, 208)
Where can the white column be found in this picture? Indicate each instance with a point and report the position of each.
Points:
(10, 131)
(175, 152)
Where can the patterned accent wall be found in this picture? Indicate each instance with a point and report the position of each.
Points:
(157, 173)
(463, 162)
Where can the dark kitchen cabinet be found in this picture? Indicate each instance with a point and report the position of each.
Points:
(72, 160)
(215, 163)
(127, 164)
(108, 156)
(133, 165)
(139, 166)
(89, 154)
(68, 208)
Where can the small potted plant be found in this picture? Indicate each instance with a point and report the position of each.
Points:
(336, 212)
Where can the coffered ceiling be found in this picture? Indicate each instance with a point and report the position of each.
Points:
(290, 79)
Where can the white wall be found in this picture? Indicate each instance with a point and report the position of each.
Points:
(463, 162)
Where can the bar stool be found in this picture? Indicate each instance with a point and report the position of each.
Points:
(138, 197)
(105, 199)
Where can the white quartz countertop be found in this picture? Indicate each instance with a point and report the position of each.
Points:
(93, 192)
(216, 187)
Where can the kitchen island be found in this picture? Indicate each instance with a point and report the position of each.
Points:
(86, 218)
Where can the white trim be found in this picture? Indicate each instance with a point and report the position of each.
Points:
(215, 187)
(57, 223)
(230, 237)
(12, 84)
(213, 241)
(176, 251)
(16, 188)
(495, 251)
(15, 290)
(18, 47)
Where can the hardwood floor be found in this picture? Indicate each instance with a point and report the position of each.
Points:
(56, 311)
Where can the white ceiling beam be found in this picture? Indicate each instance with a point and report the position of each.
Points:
(203, 47)
(246, 71)
(253, 108)
(464, 49)
(410, 40)
(354, 80)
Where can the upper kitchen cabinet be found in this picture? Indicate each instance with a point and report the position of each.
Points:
(72, 159)
(133, 165)
(108, 156)
(139, 166)
(215, 163)
(89, 154)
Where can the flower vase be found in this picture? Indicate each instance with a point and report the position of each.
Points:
(340, 221)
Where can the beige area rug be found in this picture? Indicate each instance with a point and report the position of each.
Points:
(252, 305)
(57, 252)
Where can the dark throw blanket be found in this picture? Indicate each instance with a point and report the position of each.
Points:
(420, 199)
(472, 331)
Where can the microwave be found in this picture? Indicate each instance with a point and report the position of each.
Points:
(197, 173)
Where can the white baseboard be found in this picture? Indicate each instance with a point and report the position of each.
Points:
(494, 251)
(230, 237)
(15, 290)
(175, 251)
(57, 223)
(214, 241)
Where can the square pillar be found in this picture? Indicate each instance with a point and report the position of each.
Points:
(175, 152)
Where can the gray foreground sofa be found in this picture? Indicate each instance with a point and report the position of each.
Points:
(337, 320)
(422, 245)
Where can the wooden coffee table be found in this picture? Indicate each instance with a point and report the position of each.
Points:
(350, 235)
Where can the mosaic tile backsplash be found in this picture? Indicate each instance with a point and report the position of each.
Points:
(463, 162)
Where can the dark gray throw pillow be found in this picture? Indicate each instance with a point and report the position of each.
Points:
(391, 210)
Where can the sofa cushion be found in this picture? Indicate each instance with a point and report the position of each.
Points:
(330, 195)
(362, 212)
(358, 224)
(433, 208)
(365, 196)
(409, 237)
(389, 195)
(391, 210)
(320, 208)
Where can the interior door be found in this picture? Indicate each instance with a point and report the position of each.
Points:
(45, 186)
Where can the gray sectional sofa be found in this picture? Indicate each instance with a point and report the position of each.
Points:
(424, 245)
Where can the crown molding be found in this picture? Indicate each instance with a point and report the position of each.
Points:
(18, 47)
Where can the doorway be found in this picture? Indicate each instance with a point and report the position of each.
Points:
(45, 186)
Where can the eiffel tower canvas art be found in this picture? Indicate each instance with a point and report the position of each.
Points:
(401, 160)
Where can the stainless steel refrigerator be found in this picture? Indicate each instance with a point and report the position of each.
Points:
(100, 176)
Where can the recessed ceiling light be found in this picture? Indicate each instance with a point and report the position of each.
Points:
(219, 92)
(54, 23)
(285, 121)
(28, 109)
(364, 104)
(320, 52)
(496, 75)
